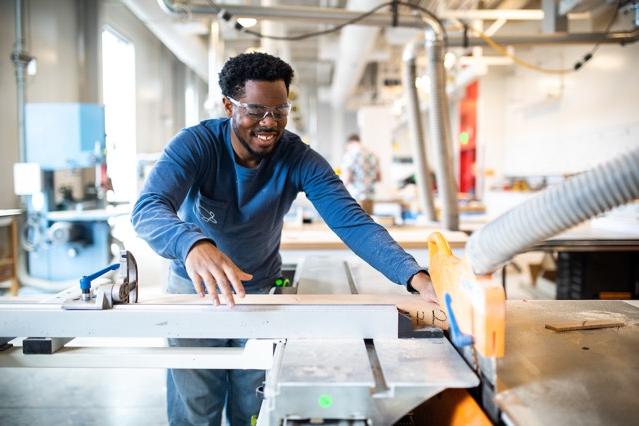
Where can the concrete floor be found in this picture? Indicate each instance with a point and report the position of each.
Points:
(90, 397)
(82, 397)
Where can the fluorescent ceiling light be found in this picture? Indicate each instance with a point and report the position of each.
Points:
(247, 22)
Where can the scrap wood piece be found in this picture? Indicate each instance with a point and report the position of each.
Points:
(583, 325)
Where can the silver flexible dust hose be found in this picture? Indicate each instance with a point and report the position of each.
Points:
(558, 208)
(440, 130)
(413, 110)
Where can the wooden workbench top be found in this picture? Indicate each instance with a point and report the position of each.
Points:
(320, 237)
(10, 212)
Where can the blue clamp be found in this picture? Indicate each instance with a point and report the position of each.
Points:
(459, 339)
(85, 281)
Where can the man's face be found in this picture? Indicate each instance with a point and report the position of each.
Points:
(255, 138)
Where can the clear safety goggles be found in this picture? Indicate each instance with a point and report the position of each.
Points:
(259, 112)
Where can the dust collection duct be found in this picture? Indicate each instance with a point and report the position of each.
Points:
(422, 171)
(558, 208)
(20, 60)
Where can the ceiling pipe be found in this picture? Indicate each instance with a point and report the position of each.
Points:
(191, 50)
(355, 44)
(20, 60)
(322, 15)
(420, 157)
(439, 119)
(617, 37)
(382, 19)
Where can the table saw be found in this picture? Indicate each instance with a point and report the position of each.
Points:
(337, 355)
(334, 350)
(350, 358)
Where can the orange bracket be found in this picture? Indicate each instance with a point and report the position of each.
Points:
(477, 304)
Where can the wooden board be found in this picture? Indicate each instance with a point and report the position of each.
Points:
(583, 325)
(422, 313)
(316, 237)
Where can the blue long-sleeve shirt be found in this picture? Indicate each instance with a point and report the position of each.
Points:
(197, 191)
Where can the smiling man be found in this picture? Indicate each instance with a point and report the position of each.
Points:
(214, 204)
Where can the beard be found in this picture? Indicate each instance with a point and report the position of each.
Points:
(257, 156)
(254, 155)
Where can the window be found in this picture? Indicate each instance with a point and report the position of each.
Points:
(118, 94)
(191, 100)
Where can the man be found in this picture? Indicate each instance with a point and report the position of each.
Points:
(214, 204)
(360, 171)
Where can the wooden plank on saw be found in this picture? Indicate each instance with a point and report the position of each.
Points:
(422, 313)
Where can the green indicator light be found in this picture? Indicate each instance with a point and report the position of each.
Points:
(464, 137)
(278, 282)
(325, 401)
(253, 420)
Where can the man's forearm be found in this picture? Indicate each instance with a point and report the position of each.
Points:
(155, 221)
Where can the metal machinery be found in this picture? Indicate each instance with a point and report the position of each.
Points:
(339, 350)
(346, 358)
(63, 182)
(374, 379)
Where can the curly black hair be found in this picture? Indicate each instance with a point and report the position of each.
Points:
(255, 66)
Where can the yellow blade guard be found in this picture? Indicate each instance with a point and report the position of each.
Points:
(476, 302)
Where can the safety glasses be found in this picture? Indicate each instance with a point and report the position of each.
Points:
(259, 112)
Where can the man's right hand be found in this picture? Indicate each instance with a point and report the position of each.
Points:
(208, 266)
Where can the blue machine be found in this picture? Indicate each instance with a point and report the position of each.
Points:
(67, 232)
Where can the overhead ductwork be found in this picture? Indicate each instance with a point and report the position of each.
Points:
(334, 16)
(20, 60)
(355, 44)
(383, 19)
(439, 119)
(420, 157)
(617, 37)
(189, 49)
(438, 103)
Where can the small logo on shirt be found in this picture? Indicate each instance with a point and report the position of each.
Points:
(207, 215)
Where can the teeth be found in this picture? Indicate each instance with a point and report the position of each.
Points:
(265, 138)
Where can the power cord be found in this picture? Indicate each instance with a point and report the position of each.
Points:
(502, 50)
(226, 16)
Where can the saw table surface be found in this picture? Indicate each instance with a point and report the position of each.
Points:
(585, 377)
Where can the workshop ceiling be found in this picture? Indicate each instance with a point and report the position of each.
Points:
(318, 60)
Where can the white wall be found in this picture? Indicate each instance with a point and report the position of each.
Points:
(160, 80)
(332, 131)
(8, 117)
(51, 33)
(376, 124)
(537, 124)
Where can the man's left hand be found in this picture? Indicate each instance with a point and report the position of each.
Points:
(422, 283)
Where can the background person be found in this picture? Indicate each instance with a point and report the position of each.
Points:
(360, 171)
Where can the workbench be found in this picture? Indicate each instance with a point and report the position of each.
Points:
(9, 258)
(305, 241)
(589, 237)
(589, 258)
(586, 377)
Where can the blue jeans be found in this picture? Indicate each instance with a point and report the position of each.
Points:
(197, 397)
